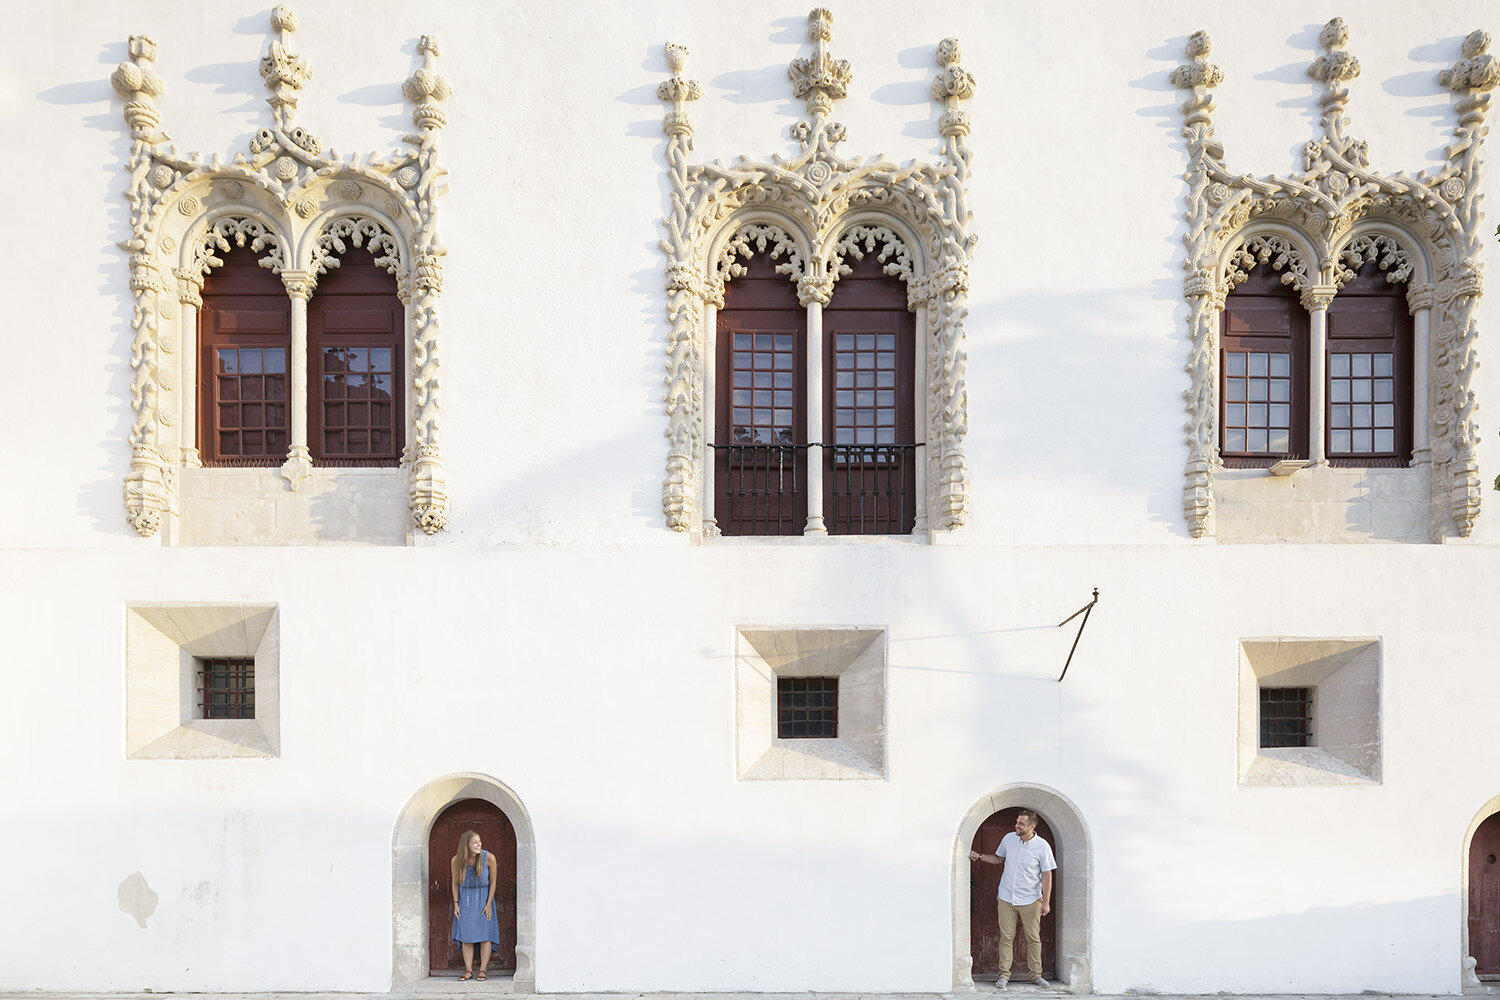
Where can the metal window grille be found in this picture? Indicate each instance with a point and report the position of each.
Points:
(1286, 717)
(250, 393)
(1257, 402)
(869, 489)
(807, 708)
(761, 494)
(228, 684)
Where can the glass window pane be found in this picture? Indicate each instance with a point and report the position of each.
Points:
(1385, 364)
(1385, 440)
(1281, 415)
(1360, 365)
(1281, 365)
(1234, 363)
(1340, 415)
(1360, 390)
(1385, 391)
(1338, 365)
(1281, 440)
(1257, 439)
(1234, 439)
(1258, 389)
(1341, 441)
(1234, 415)
(1340, 391)
(1235, 391)
(1258, 364)
(1363, 440)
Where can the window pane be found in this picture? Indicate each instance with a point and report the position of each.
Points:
(1234, 363)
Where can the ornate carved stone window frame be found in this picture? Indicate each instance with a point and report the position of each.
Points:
(1423, 228)
(803, 210)
(300, 196)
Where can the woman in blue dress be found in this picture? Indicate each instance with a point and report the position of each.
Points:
(474, 922)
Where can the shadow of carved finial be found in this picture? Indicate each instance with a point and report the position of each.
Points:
(284, 72)
(138, 83)
(820, 79)
(425, 88)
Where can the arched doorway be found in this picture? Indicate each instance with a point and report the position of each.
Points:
(984, 922)
(1072, 894)
(411, 880)
(1484, 898)
(499, 838)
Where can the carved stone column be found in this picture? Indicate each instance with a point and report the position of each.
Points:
(1316, 300)
(1421, 299)
(814, 291)
(1199, 77)
(298, 465)
(684, 397)
(427, 499)
(190, 295)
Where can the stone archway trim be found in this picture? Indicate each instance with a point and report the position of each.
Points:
(409, 959)
(1075, 926)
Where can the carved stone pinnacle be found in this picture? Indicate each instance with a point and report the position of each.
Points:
(1477, 72)
(283, 70)
(820, 79)
(425, 88)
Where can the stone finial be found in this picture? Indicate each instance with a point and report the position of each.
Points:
(1200, 76)
(284, 71)
(1477, 71)
(425, 88)
(679, 90)
(138, 83)
(1335, 67)
(820, 79)
(952, 84)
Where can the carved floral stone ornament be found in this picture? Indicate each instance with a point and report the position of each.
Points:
(809, 213)
(297, 206)
(1316, 228)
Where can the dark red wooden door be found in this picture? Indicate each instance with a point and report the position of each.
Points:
(984, 919)
(1484, 897)
(499, 838)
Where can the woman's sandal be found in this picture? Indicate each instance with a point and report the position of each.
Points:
(466, 977)
(481, 976)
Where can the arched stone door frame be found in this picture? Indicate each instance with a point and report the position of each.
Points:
(1470, 979)
(1075, 949)
(409, 960)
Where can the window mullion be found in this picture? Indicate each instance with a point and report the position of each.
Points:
(299, 286)
(814, 295)
(1316, 300)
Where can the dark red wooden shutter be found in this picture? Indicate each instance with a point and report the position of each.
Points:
(1263, 372)
(760, 418)
(244, 355)
(869, 429)
(355, 331)
(1369, 393)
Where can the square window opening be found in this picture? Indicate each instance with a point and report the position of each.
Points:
(807, 708)
(226, 686)
(1286, 715)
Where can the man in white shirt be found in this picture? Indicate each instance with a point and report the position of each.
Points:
(1026, 871)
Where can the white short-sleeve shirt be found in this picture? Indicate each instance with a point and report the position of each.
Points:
(1025, 860)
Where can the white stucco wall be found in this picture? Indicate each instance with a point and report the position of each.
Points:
(605, 642)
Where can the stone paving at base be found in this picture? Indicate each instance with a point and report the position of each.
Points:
(443, 989)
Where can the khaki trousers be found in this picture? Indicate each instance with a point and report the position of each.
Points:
(1031, 923)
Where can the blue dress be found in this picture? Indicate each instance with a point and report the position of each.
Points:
(470, 927)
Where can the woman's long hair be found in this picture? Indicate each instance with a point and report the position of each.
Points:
(463, 859)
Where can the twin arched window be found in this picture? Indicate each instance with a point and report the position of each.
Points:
(353, 361)
(1281, 398)
(831, 421)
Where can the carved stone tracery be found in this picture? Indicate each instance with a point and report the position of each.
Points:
(1337, 203)
(271, 197)
(838, 207)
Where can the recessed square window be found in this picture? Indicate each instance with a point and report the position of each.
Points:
(202, 681)
(1286, 716)
(1309, 712)
(807, 708)
(810, 703)
(227, 687)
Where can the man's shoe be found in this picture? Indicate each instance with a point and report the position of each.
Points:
(1002, 982)
(1039, 981)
